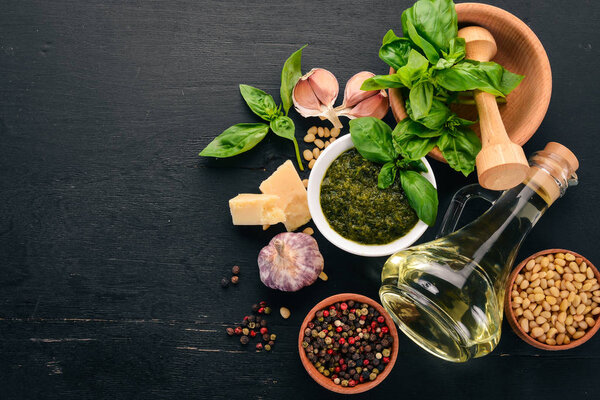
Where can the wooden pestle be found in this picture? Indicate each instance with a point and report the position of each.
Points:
(501, 164)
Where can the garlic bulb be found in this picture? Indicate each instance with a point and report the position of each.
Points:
(290, 261)
(316, 92)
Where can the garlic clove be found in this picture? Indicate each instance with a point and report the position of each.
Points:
(353, 94)
(324, 84)
(305, 101)
(374, 106)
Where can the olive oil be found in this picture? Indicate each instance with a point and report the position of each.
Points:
(447, 295)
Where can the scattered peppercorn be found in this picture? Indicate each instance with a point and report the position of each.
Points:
(244, 340)
(259, 346)
(267, 310)
(235, 279)
(230, 331)
(235, 270)
(348, 342)
(224, 282)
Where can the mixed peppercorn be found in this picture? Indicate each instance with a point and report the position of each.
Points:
(348, 342)
(235, 271)
(255, 325)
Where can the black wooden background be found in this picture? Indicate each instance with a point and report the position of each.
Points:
(114, 234)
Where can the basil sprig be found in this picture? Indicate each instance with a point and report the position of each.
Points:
(431, 72)
(376, 142)
(242, 137)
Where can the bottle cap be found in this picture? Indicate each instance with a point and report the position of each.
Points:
(559, 149)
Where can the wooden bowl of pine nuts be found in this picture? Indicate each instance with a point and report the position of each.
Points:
(553, 300)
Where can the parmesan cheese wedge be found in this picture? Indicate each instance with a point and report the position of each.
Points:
(256, 209)
(285, 183)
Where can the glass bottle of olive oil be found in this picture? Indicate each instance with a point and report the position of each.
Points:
(447, 295)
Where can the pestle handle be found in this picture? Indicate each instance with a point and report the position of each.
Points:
(501, 164)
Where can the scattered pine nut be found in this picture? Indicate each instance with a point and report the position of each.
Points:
(312, 130)
(319, 143)
(327, 133)
(265, 227)
(311, 164)
(308, 231)
(335, 132)
(323, 276)
(320, 131)
(285, 312)
(316, 153)
(308, 155)
(305, 182)
(309, 138)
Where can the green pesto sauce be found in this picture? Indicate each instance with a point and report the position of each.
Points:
(358, 210)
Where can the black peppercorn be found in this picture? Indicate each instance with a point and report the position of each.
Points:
(235, 269)
(224, 282)
(244, 340)
(230, 331)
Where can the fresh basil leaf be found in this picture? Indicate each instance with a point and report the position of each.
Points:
(387, 175)
(379, 82)
(460, 148)
(290, 74)
(456, 121)
(235, 140)
(373, 139)
(421, 195)
(456, 51)
(434, 21)
(260, 103)
(414, 69)
(284, 126)
(409, 30)
(486, 76)
(394, 50)
(409, 144)
(421, 98)
(415, 165)
(436, 118)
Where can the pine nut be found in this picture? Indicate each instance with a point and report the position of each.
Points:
(335, 132)
(320, 131)
(312, 130)
(308, 155)
(316, 153)
(319, 143)
(311, 164)
(309, 138)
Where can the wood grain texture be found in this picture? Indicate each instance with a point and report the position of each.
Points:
(114, 234)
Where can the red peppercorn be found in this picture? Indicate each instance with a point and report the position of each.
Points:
(332, 307)
(363, 317)
(263, 330)
(365, 362)
(329, 351)
(238, 330)
(385, 329)
(259, 346)
(337, 369)
(344, 367)
(342, 340)
(344, 306)
(311, 325)
(261, 310)
(246, 318)
(263, 303)
(339, 329)
(252, 333)
(352, 383)
(361, 379)
(380, 319)
(326, 313)
(386, 360)
(341, 361)
(351, 340)
(373, 324)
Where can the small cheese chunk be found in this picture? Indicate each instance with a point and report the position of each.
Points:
(256, 209)
(287, 185)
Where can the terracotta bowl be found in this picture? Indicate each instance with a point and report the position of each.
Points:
(514, 323)
(519, 51)
(325, 381)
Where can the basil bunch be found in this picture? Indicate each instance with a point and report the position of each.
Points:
(376, 142)
(432, 72)
(242, 137)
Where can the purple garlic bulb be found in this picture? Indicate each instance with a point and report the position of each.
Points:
(290, 261)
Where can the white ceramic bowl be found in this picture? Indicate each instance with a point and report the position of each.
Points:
(314, 204)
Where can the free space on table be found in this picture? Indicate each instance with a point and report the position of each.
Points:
(114, 234)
